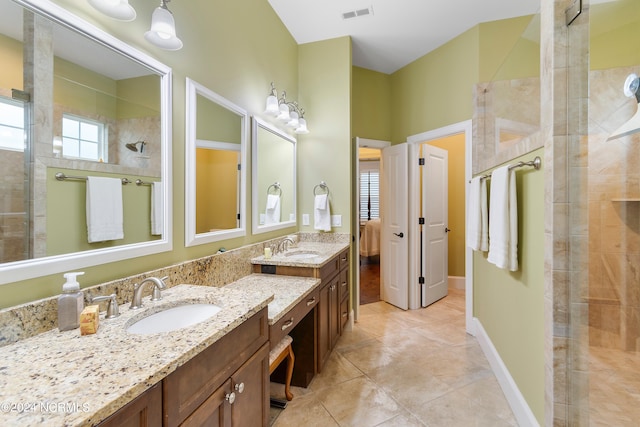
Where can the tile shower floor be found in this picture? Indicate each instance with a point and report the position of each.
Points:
(402, 368)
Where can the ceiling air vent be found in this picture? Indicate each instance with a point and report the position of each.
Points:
(357, 13)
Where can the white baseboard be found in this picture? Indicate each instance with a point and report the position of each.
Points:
(518, 404)
(457, 282)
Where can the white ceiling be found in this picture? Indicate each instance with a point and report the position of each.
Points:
(398, 31)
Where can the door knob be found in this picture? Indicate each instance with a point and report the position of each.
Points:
(446, 229)
(401, 234)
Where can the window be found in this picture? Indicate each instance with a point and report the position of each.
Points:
(369, 194)
(84, 139)
(11, 125)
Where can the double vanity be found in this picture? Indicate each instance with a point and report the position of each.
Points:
(211, 372)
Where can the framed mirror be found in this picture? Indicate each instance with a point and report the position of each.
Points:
(78, 103)
(273, 162)
(215, 182)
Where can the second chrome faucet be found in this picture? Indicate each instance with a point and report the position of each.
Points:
(158, 286)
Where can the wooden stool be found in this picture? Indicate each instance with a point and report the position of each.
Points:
(280, 352)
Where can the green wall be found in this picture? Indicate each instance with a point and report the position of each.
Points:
(370, 115)
(510, 304)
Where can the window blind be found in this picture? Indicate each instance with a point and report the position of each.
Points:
(369, 195)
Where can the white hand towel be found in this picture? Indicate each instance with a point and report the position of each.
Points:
(503, 220)
(156, 209)
(104, 209)
(272, 212)
(478, 220)
(322, 213)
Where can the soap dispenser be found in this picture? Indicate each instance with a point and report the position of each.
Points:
(70, 303)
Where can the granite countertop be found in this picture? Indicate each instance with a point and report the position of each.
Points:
(287, 290)
(304, 254)
(65, 379)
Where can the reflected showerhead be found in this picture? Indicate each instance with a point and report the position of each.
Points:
(133, 146)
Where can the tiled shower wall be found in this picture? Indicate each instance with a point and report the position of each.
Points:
(614, 216)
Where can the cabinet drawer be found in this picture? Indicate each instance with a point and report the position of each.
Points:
(283, 326)
(190, 385)
(343, 284)
(329, 270)
(344, 314)
(343, 259)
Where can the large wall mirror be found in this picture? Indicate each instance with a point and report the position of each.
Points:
(274, 178)
(216, 132)
(75, 102)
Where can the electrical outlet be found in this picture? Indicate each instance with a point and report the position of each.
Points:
(305, 219)
(336, 220)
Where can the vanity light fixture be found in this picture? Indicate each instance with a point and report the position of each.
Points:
(631, 90)
(163, 29)
(116, 9)
(289, 112)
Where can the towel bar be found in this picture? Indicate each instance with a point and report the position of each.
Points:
(323, 185)
(62, 177)
(276, 186)
(536, 163)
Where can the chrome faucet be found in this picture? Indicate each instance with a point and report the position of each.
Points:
(284, 244)
(155, 296)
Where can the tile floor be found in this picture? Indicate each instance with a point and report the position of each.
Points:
(402, 368)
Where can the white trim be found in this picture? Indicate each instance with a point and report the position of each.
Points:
(465, 127)
(457, 282)
(521, 410)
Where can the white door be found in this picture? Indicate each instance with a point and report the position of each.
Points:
(434, 207)
(394, 247)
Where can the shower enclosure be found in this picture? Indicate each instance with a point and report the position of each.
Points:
(603, 358)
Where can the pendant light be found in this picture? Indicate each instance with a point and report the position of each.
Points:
(116, 9)
(163, 29)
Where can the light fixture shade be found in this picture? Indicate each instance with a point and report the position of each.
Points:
(302, 126)
(284, 113)
(294, 119)
(272, 105)
(116, 9)
(163, 30)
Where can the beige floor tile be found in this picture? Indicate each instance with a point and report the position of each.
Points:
(403, 368)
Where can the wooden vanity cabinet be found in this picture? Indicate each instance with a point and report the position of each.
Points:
(144, 411)
(333, 304)
(226, 384)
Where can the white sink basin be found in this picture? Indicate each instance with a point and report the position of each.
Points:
(301, 255)
(173, 318)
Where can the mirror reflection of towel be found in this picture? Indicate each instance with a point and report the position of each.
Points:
(156, 209)
(322, 213)
(272, 212)
(104, 209)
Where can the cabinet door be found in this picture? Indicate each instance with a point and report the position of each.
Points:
(215, 411)
(324, 308)
(144, 411)
(250, 384)
(334, 311)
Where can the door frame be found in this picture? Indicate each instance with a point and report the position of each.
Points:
(466, 128)
(355, 265)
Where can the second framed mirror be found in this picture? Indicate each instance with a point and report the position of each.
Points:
(215, 162)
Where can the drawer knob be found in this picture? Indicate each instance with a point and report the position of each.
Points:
(230, 397)
(287, 324)
(239, 388)
(311, 301)
(345, 314)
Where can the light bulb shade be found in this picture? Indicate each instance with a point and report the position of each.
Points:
(116, 9)
(272, 105)
(163, 30)
(284, 113)
(294, 119)
(302, 126)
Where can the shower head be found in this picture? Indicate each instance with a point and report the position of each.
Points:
(133, 146)
(631, 90)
